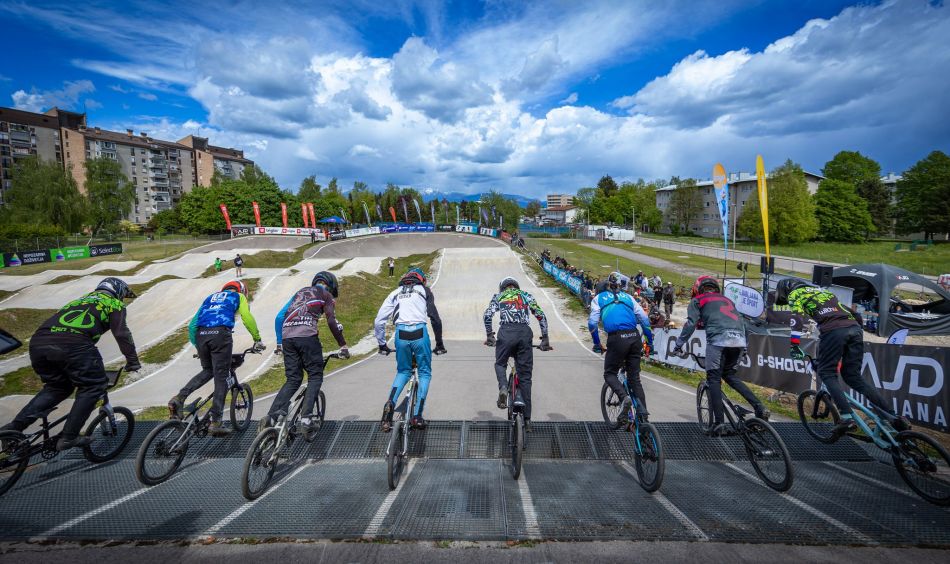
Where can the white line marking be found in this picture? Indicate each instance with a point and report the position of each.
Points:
(112, 504)
(693, 528)
(249, 504)
(802, 505)
(874, 481)
(527, 507)
(377, 521)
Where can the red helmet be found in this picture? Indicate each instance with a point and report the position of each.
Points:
(705, 284)
(235, 285)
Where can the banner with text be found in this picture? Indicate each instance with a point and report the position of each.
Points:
(572, 283)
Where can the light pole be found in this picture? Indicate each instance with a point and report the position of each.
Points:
(633, 212)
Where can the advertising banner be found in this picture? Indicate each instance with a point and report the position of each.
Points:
(106, 249)
(488, 232)
(465, 229)
(721, 188)
(257, 213)
(227, 218)
(26, 257)
(392, 212)
(418, 211)
(446, 228)
(506, 237)
(303, 212)
(571, 282)
(313, 216)
(243, 230)
(283, 213)
(748, 300)
(763, 200)
(362, 232)
(72, 253)
(379, 212)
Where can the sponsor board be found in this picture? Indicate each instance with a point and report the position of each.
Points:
(748, 300)
(488, 232)
(446, 228)
(506, 237)
(72, 253)
(362, 232)
(26, 257)
(106, 249)
(572, 283)
(245, 230)
(465, 229)
(242, 230)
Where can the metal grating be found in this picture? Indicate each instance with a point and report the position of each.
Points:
(801, 445)
(541, 442)
(686, 441)
(355, 438)
(486, 439)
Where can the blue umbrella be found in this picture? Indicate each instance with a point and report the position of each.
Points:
(332, 219)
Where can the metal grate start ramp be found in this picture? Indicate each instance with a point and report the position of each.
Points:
(592, 440)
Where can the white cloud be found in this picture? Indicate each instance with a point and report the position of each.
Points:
(359, 150)
(571, 99)
(92, 104)
(148, 96)
(67, 97)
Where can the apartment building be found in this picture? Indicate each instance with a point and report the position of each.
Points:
(559, 200)
(210, 159)
(24, 134)
(161, 171)
(742, 187)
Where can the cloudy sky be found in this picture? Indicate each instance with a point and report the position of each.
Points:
(524, 97)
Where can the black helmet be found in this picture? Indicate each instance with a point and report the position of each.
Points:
(784, 288)
(614, 282)
(328, 279)
(116, 287)
(508, 282)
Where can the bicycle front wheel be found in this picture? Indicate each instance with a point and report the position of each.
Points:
(704, 412)
(242, 407)
(610, 406)
(516, 444)
(768, 455)
(395, 457)
(649, 458)
(109, 435)
(819, 415)
(161, 453)
(924, 465)
(259, 464)
(14, 458)
(320, 410)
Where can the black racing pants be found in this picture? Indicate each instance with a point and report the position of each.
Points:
(515, 341)
(300, 353)
(624, 350)
(721, 365)
(64, 368)
(845, 345)
(668, 309)
(214, 346)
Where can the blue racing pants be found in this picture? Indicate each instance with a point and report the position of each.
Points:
(412, 343)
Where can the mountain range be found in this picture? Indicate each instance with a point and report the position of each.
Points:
(430, 194)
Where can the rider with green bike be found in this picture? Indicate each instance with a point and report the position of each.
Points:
(410, 306)
(725, 345)
(841, 341)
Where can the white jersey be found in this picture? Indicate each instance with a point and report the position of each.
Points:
(408, 305)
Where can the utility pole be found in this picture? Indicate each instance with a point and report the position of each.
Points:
(633, 212)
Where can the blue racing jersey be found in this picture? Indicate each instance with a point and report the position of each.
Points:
(617, 312)
(219, 310)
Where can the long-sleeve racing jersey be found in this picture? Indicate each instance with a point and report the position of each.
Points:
(723, 325)
(409, 304)
(617, 312)
(515, 306)
(300, 316)
(85, 320)
(219, 310)
(820, 305)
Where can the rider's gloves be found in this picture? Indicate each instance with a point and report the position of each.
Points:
(278, 350)
(598, 349)
(440, 348)
(257, 347)
(133, 366)
(490, 340)
(797, 353)
(545, 344)
(344, 353)
(384, 349)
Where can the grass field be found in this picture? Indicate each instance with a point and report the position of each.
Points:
(932, 261)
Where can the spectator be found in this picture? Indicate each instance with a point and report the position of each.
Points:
(217, 264)
(669, 296)
(657, 285)
(392, 266)
(239, 266)
(640, 279)
(313, 236)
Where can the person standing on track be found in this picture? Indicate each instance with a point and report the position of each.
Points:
(298, 339)
(392, 266)
(64, 355)
(725, 345)
(841, 341)
(669, 297)
(515, 308)
(238, 266)
(410, 306)
(210, 332)
(621, 316)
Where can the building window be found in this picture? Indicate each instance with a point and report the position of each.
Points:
(705, 216)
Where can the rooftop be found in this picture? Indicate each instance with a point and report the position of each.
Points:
(734, 178)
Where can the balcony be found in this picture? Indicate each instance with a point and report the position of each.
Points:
(21, 136)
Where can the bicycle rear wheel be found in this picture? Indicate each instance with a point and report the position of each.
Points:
(819, 415)
(704, 412)
(161, 453)
(649, 458)
(395, 457)
(13, 458)
(768, 455)
(610, 406)
(516, 444)
(242, 406)
(109, 435)
(924, 465)
(259, 464)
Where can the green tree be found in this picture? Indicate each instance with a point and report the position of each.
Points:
(584, 199)
(685, 205)
(167, 221)
(332, 186)
(923, 196)
(533, 209)
(842, 215)
(44, 193)
(791, 209)
(607, 186)
(359, 195)
(108, 191)
(865, 175)
(505, 208)
(309, 189)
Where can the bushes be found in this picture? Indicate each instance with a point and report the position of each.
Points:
(24, 236)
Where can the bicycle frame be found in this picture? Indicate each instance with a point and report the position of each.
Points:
(635, 408)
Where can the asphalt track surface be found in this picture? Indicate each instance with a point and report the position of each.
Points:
(578, 481)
